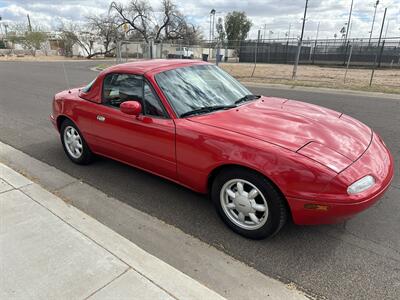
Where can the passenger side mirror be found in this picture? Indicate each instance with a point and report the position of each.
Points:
(133, 108)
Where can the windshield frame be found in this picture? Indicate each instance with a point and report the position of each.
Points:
(87, 88)
(171, 102)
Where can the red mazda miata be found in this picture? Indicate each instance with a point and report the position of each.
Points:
(261, 159)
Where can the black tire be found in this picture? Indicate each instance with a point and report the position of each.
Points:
(87, 156)
(277, 209)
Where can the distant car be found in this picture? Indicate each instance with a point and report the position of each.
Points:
(261, 159)
(184, 52)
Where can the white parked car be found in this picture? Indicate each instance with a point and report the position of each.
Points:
(184, 52)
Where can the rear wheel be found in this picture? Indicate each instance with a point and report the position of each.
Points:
(74, 144)
(248, 203)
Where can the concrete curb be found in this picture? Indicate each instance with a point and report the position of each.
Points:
(204, 263)
(170, 280)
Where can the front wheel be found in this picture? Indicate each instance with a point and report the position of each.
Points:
(248, 203)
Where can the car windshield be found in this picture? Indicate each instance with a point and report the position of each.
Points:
(194, 88)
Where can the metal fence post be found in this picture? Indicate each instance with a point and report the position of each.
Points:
(380, 54)
(255, 53)
(315, 49)
(376, 55)
(345, 52)
(126, 51)
(348, 63)
(287, 50)
(119, 58)
(297, 61)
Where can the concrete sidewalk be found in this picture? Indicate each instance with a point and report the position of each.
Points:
(51, 250)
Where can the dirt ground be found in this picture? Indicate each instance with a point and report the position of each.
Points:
(386, 80)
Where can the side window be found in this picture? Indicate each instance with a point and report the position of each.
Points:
(118, 88)
(152, 105)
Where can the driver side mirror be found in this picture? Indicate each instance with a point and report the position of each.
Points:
(133, 108)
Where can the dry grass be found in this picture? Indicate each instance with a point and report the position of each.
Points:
(387, 81)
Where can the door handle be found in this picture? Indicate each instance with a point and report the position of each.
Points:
(100, 118)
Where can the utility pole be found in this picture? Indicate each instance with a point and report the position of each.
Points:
(300, 43)
(316, 38)
(383, 25)
(212, 12)
(379, 42)
(29, 23)
(373, 22)
(213, 22)
(288, 35)
(209, 39)
(387, 27)
(265, 29)
(348, 22)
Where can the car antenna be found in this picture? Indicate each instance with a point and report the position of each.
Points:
(66, 77)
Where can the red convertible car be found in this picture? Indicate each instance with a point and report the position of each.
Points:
(261, 159)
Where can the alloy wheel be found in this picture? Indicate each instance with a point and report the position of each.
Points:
(244, 204)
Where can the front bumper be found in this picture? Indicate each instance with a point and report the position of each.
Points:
(328, 208)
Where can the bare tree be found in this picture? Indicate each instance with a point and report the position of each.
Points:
(192, 35)
(68, 37)
(86, 36)
(173, 22)
(137, 15)
(86, 40)
(106, 31)
(169, 24)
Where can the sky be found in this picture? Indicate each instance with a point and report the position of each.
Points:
(274, 15)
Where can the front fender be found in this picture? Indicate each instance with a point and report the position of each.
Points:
(201, 149)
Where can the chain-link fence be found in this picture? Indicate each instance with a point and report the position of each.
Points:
(327, 63)
(323, 52)
(275, 51)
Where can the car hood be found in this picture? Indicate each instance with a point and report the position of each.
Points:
(294, 124)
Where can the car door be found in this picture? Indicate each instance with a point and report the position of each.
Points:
(146, 141)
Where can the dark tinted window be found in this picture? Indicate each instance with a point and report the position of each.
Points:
(118, 88)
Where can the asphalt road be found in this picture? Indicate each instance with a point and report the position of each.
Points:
(358, 259)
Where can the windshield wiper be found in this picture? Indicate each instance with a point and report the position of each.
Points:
(206, 109)
(247, 98)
